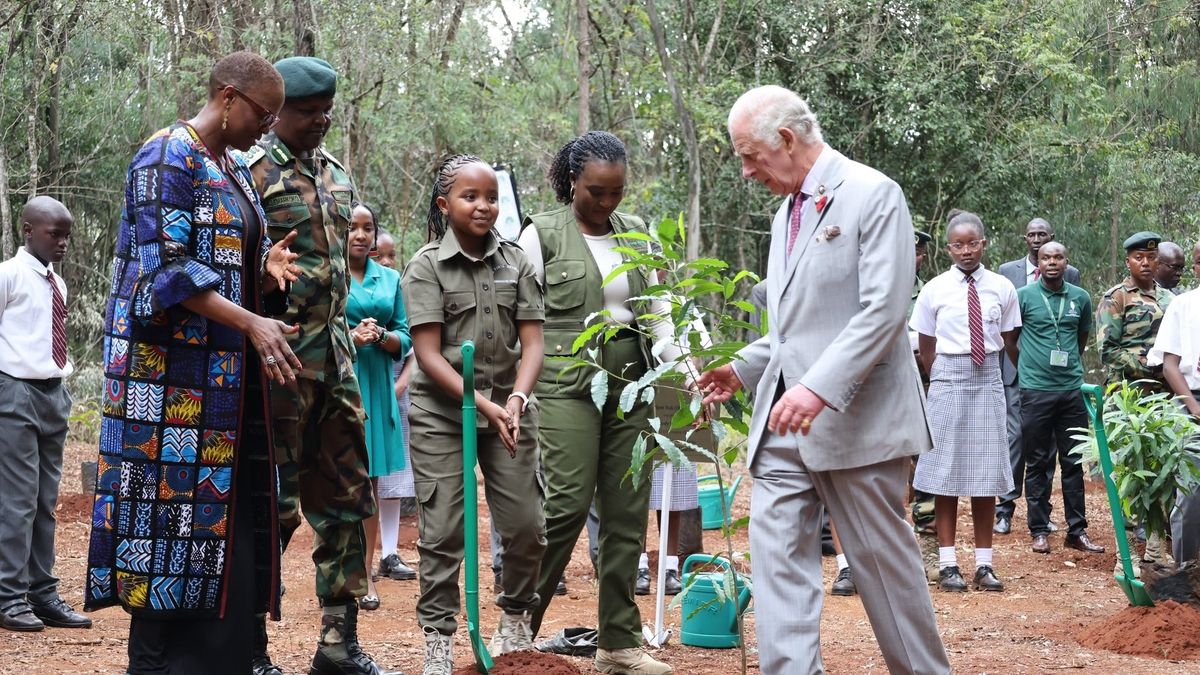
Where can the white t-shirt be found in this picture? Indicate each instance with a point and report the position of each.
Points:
(1177, 335)
(941, 310)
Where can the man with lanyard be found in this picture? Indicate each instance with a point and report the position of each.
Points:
(1056, 318)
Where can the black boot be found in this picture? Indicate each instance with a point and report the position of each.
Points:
(260, 662)
(338, 652)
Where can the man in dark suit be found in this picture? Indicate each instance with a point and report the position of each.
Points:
(1020, 272)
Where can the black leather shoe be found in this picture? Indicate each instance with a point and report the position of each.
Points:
(642, 587)
(950, 579)
(260, 664)
(986, 579)
(19, 617)
(1041, 543)
(369, 603)
(393, 567)
(1003, 525)
(844, 584)
(671, 584)
(1083, 543)
(59, 614)
(561, 588)
(827, 549)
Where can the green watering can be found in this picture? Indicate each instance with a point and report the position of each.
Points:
(712, 513)
(1093, 399)
(709, 621)
(483, 660)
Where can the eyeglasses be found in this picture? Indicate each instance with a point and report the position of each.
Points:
(267, 119)
(973, 245)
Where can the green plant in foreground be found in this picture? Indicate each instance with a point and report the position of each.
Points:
(1152, 441)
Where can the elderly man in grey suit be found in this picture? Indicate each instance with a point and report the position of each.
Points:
(1022, 271)
(839, 408)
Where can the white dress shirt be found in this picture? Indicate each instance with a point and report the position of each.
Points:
(27, 319)
(1177, 335)
(1031, 274)
(941, 310)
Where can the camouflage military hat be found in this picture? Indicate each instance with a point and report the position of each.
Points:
(923, 239)
(305, 76)
(1143, 241)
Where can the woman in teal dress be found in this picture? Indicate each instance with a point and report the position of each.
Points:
(375, 310)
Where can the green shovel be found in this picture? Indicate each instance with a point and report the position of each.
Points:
(483, 660)
(1093, 398)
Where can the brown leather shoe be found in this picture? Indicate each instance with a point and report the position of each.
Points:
(1041, 543)
(1082, 543)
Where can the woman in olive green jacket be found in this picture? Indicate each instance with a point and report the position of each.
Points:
(586, 451)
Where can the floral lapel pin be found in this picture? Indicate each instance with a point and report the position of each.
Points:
(822, 199)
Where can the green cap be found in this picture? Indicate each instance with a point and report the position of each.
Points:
(1147, 241)
(923, 238)
(305, 76)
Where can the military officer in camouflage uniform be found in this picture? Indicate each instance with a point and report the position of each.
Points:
(319, 439)
(1129, 316)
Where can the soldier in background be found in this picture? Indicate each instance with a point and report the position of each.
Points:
(921, 504)
(320, 444)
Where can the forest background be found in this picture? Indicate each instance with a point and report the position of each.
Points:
(1084, 112)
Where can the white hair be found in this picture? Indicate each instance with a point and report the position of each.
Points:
(771, 108)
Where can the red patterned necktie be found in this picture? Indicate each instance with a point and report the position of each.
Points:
(59, 347)
(1037, 273)
(794, 225)
(975, 322)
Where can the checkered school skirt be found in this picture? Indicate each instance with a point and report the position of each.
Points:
(966, 412)
(399, 484)
(683, 489)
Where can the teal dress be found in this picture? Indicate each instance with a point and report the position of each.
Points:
(379, 297)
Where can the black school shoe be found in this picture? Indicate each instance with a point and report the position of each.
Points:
(950, 579)
(986, 579)
(393, 567)
(19, 617)
(59, 614)
(642, 585)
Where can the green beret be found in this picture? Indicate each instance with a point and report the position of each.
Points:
(923, 239)
(1143, 241)
(305, 76)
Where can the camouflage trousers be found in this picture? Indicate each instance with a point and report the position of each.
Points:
(922, 516)
(321, 450)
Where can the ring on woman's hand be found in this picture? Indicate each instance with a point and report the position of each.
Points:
(270, 360)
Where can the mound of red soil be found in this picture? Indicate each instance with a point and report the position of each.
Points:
(526, 663)
(1168, 630)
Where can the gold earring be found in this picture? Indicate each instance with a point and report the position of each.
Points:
(225, 120)
(572, 193)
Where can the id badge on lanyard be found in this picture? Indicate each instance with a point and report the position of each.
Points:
(1058, 357)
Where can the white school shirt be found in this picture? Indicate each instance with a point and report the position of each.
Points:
(941, 310)
(27, 319)
(1177, 335)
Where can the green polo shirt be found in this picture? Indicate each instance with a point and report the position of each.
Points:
(1039, 335)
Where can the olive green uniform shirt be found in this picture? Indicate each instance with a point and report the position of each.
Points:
(311, 195)
(1128, 320)
(474, 299)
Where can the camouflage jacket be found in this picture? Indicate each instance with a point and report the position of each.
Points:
(1128, 320)
(312, 196)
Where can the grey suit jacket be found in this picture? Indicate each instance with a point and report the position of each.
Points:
(836, 324)
(1014, 271)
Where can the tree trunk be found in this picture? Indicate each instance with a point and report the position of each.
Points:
(687, 126)
(7, 246)
(584, 45)
(303, 32)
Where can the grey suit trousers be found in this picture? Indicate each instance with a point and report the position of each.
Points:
(33, 429)
(785, 552)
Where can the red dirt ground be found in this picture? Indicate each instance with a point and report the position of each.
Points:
(1035, 626)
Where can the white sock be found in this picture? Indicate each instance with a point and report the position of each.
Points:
(673, 562)
(983, 556)
(389, 525)
(841, 561)
(946, 557)
(643, 561)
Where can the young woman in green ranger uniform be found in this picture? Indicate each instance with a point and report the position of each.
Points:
(586, 451)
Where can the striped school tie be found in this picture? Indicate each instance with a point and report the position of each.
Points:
(975, 322)
(59, 327)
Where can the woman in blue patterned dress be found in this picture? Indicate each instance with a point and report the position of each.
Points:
(184, 534)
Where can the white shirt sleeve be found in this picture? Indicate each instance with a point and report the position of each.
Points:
(924, 317)
(1169, 338)
(531, 243)
(1011, 316)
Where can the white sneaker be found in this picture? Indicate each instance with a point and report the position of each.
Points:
(512, 635)
(633, 661)
(439, 653)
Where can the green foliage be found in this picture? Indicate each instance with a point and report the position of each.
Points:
(1152, 441)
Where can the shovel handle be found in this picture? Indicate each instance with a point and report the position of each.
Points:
(1093, 400)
